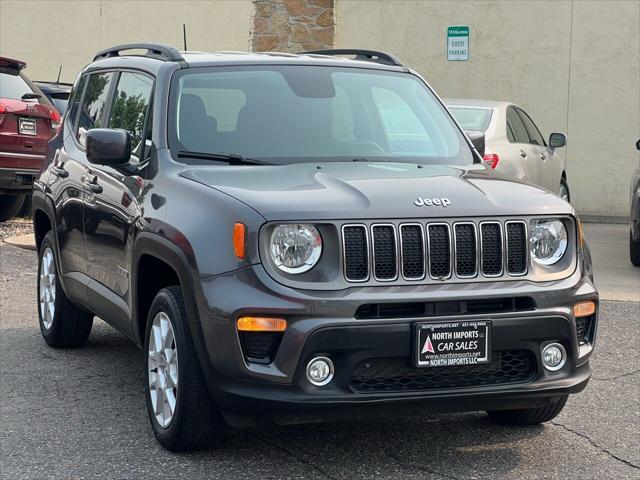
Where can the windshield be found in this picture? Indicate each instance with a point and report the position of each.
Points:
(290, 114)
(472, 118)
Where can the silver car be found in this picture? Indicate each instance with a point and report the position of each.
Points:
(634, 216)
(514, 144)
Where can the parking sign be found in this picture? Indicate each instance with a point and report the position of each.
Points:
(458, 43)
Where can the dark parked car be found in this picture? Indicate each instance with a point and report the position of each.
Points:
(634, 216)
(57, 92)
(27, 121)
(282, 251)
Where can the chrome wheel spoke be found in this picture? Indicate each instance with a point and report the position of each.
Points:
(47, 290)
(162, 364)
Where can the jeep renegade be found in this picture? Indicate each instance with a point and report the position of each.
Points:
(305, 237)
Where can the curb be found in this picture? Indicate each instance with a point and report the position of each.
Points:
(28, 241)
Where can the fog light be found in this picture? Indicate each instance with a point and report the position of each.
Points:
(320, 371)
(554, 356)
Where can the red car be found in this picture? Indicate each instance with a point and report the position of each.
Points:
(28, 120)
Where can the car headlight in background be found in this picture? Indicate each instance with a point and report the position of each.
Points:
(295, 247)
(548, 240)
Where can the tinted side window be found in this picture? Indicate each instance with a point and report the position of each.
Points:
(94, 104)
(130, 105)
(76, 98)
(520, 134)
(12, 85)
(534, 133)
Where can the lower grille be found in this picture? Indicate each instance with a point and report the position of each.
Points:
(394, 375)
(260, 347)
(583, 327)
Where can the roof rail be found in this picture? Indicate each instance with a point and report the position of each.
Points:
(154, 50)
(365, 55)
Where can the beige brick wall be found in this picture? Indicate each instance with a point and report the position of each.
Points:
(292, 25)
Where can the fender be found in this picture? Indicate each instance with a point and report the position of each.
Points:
(160, 247)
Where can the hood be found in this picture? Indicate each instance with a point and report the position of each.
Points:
(384, 190)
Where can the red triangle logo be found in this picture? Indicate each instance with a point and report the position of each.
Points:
(428, 346)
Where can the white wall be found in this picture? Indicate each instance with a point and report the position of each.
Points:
(573, 65)
(46, 34)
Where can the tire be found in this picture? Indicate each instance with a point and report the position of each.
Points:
(529, 416)
(10, 205)
(564, 185)
(195, 423)
(634, 251)
(25, 211)
(62, 323)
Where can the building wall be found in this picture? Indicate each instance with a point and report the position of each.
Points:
(573, 65)
(46, 34)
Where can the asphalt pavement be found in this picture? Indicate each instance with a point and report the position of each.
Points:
(76, 414)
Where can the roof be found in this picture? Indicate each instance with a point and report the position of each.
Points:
(154, 53)
(469, 102)
(201, 59)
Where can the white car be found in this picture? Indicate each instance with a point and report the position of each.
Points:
(513, 143)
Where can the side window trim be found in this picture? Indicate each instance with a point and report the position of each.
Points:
(106, 115)
(523, 114)
(74, 121)
(148, 116)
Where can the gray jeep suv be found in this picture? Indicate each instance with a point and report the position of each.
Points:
(304, 237)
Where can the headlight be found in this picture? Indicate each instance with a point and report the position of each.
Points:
(295, 247)
(548, 240)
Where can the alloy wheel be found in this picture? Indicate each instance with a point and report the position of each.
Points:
(162, 361)
(47, 288)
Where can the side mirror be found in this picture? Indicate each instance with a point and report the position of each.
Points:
(557, 140)
(638, 144)
(107, 146)
(477, 138)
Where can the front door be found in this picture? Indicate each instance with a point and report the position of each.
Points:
(112, 205)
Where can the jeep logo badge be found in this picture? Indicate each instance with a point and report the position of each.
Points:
(430, 202)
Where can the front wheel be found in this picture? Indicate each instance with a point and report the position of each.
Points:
(182, 413)
(529, 416)
(634, 250)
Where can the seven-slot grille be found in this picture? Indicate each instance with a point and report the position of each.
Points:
(439, 250)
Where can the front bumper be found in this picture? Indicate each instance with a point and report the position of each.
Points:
(324, 323)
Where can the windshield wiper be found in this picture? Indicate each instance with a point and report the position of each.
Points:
(230, 158)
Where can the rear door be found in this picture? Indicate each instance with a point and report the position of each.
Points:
(549, 164)
(112, 206)
(28, 120)
(518, 136)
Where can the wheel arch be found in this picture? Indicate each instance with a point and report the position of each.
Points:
(158, 263)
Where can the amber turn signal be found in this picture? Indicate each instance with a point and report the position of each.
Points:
(584, 309)
(239, 240)
(261, 324)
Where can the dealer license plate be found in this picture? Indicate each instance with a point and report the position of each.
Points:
(448, 344)
(26, 126)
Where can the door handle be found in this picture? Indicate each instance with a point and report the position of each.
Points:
(59, 171)
(93, 186)
(523, 154)
(542, 157)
